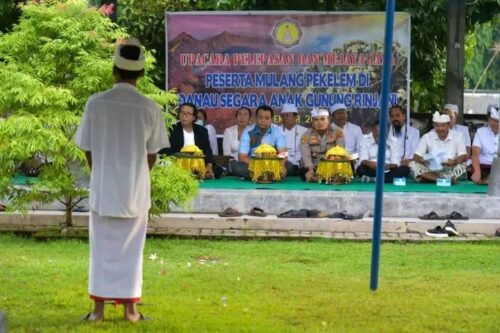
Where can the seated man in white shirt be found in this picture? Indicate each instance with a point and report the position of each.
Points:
(293, 133)
(353, 136)
(485, 149)
(452, 111)
(368, 157)
(440, 154)
(407, 137)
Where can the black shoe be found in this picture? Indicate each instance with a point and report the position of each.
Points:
(450, 228)
(437, 232)
(497, 233)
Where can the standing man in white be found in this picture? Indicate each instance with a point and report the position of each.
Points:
(121, 132)
(293, 133)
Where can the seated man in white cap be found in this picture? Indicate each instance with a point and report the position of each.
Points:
(368, 158)
(440, 154)
(293, 132)
(407, 137)
(121, 132)
(316, 141)
(353, 136)
(452, 111)
(485, 148)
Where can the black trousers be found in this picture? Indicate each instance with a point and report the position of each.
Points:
(398, 172)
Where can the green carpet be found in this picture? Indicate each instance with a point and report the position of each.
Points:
(295, 183)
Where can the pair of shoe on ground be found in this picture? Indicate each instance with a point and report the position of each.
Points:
(293, 213)
(452, 216)
(231, 212)
(90, 317)
(314, 213)
(449, 230)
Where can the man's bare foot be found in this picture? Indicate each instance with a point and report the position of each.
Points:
(131, 314)
(133, 317)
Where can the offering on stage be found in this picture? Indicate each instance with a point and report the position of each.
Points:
(191, 159)
(446, 182)
(399, 181)
(335, 168)
(265, 165)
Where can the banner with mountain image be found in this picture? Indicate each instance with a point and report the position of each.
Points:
(222, 61)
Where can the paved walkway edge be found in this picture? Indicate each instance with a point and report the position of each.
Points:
(211, 225)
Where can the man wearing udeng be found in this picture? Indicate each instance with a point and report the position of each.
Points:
(121, 132)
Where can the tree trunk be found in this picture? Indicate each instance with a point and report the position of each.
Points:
(68, 203)
(454, 85)
(69, 215)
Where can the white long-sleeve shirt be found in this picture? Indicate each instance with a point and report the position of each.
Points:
(369, 150)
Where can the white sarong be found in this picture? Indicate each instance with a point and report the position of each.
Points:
(116, 251)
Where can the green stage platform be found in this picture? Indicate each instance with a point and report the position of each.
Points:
(296, 184)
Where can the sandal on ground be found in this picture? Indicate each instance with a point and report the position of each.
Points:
(456, 216)
(431, 216)
(230, 212)
(256, 211)
(293, 213)
(88, 317)
(345, 216)
(142, 317)
(315, 213)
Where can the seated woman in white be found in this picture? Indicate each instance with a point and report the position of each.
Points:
(201, 119)
(232, 135)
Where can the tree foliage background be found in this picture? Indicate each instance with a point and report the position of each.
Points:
(59, 54)
(481, 45)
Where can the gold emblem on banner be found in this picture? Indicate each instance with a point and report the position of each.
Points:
(287, 33)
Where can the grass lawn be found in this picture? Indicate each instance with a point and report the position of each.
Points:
(262, 286)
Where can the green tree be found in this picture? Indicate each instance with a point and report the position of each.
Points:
(53, 60)
(145, 19)
(9, 13)
(482, 43)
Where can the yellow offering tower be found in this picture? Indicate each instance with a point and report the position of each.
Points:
(265, 166)
(335, 168)
(191, 159)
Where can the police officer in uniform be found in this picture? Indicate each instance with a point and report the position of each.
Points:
(316, 141)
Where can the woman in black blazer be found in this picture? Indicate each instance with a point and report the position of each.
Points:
(186, 128)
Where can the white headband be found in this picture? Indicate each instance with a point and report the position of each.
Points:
(440, 118)
(339, 106)
(452, 107)
(289, 108)
(494, 113)
(127, 64)
(319, 113)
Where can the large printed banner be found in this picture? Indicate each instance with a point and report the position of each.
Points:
(223, 61)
